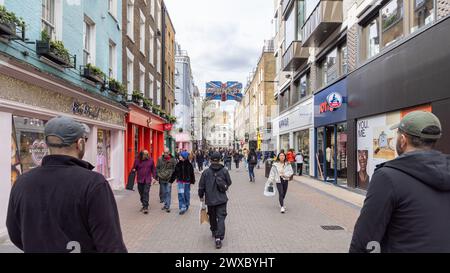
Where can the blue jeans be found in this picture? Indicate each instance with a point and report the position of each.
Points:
(251, 172)
(166, 193)
(184, 195)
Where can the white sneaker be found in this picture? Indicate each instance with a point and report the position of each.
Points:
(283, 210)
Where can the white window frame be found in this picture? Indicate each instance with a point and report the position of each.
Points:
(130, 72)
(142, 78)
(57, 24)
(88, 24)
(153, 13)
(142, 32)
(158, 57)
(151, 81)
(151, 53)
(158, 93)
(112, 60)
(112, 8)
(130, 19)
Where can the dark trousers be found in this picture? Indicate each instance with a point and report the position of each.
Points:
(282, 190)
(237, 164)
(200, 166)
(217, 215)
(300, 168)
(251, 172)
(144, 192)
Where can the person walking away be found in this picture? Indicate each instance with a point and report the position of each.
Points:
(206, 160)
(63, 200)
(212, 188)
(280, 173)
(252, 161)
(146, 174)
(236, 158)
(245, 156)
(192, 159)
(200, 160)
(259, 158)
(407, 204)
(164, 171)
(184, 174)
(227, 160)
(299, 161)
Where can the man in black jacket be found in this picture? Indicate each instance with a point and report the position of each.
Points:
(63, 205)
(407, 208)
(213, 185)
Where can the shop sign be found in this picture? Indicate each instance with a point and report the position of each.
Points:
(86, 110)
(330, 104)
(334, 100)
(168, 127)
(284, 123)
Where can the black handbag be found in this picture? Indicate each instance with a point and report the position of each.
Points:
(221, 184)
(131, 178)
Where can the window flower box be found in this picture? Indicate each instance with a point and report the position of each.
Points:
(55, 52)
(93, 73)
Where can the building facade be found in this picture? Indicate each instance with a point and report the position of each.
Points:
(169, 73)
(38, 82)
(197, 120)
(142, 54)
(352, 61)
(184, 98)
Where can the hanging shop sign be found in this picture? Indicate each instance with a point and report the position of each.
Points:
(330, 105)
(168, 127)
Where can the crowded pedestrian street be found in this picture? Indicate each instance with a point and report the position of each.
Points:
(224, 127)
(254, 223)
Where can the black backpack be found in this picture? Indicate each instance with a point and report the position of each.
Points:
(221, 184)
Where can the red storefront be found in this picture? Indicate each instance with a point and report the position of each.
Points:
(145, 131)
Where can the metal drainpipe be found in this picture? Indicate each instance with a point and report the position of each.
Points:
(163, 57)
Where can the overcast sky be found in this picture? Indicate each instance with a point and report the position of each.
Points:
(223, 38)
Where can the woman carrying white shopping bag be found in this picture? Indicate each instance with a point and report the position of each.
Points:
(279, 174)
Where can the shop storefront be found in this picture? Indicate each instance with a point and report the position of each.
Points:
(295, 131)
(145, 131)
(411, 76)
(28, 102)
(330, 115)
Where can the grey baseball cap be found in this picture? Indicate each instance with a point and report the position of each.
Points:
(416, 122)
(65, 128)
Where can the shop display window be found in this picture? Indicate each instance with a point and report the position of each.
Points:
(103, 164)
(29, 141)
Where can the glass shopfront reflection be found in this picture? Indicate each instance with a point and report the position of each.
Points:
(332, 153)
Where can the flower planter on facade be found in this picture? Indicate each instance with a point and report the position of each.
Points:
(43, 48)
(89, 74)
(114, 87)
(7, 28)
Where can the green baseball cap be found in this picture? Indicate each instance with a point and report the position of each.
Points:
(416, 122)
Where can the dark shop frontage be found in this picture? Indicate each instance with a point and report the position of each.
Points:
(412, 75)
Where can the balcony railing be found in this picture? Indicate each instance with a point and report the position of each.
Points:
(322, 22)
(295, 56)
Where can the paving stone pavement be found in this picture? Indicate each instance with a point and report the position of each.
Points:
(254, 223)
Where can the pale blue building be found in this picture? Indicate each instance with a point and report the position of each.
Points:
(38, 81)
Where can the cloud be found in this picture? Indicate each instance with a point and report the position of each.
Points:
(223, 38)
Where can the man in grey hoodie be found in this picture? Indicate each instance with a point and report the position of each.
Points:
(407, 207)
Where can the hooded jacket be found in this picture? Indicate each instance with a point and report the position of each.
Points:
(165, 168)
(60, 202)
(407, 207)
(207, 185)
(184, 171)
